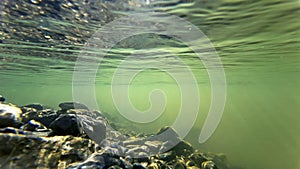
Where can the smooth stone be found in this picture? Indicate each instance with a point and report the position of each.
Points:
(46, 117)
(66, 124)
(33, 125)
(72, 105)
(208, 165)
(10, 116)
(2, 99)
(36, 106)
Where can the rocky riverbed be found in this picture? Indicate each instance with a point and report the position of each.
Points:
(32, 136)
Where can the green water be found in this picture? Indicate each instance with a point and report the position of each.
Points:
(258, 43)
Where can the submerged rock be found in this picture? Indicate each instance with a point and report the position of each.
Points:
(94, 124)
(138, 166)
(183, 148)
(198, 158)
(32, 145)
(97, 160)
(2, 99)
(66, 124)
(179, 164)
(28, 114)
(27, 151)
(72, 105)
(10, 116)
(167, 156)
(46, 117)
(36, 106)
(33, 125)
(208, 165)
(153, 166)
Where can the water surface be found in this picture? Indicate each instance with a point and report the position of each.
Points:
(257, 41)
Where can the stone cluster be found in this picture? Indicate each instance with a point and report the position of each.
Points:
(32, 136)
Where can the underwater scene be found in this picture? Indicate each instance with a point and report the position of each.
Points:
(183, 84)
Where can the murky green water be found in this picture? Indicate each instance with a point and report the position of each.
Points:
(257, 41)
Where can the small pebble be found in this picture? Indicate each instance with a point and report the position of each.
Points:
(208, 165)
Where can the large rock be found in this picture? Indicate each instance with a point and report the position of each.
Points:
(10, 116)
(66, 124)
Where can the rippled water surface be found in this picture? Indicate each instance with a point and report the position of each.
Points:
(258, 43)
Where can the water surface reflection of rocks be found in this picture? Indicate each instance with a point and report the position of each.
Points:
(32, 136)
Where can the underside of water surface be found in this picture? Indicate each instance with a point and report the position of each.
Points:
(257, 42)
